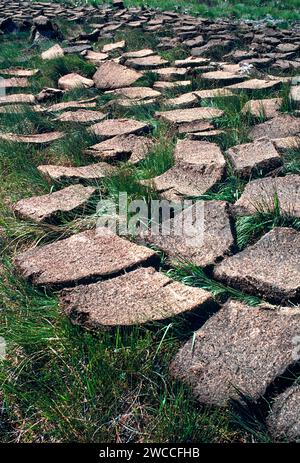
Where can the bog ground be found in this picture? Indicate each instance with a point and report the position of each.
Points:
(145, 338)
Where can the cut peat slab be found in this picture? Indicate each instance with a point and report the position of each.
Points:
(240, 348)
(82, 257)
(135, 298)
(269, 268)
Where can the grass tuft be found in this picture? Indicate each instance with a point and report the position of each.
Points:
(191, 275)
(291, 161)
(52, 70)
(251, 227)
(230, 190)
(147, 80)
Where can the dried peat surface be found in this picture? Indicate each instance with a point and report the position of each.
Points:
(225, 352)
(85, 255)
(149, 337)
(138, 297)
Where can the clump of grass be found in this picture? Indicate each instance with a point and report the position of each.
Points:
(69, 149)
(18, 173)
(67, 28)
(230, 190)
(137, 41)
(159, 160)
(104, 99)
(21, 234)
(235, 122)
(52, 70)
(20, 178)
(176, 53)
(140, 112)
(252, 227)
(218, 51)
(79, 93)
(291, 161)
(13, 51)
(250, 416)
(129, 178)
(147, 80)
(176, 91)
(127, 181)
(26, 121)
(195, 424)
(287, 105)
(198, 83)
(191, 275)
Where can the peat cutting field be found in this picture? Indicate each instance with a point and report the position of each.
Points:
(150, 221)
